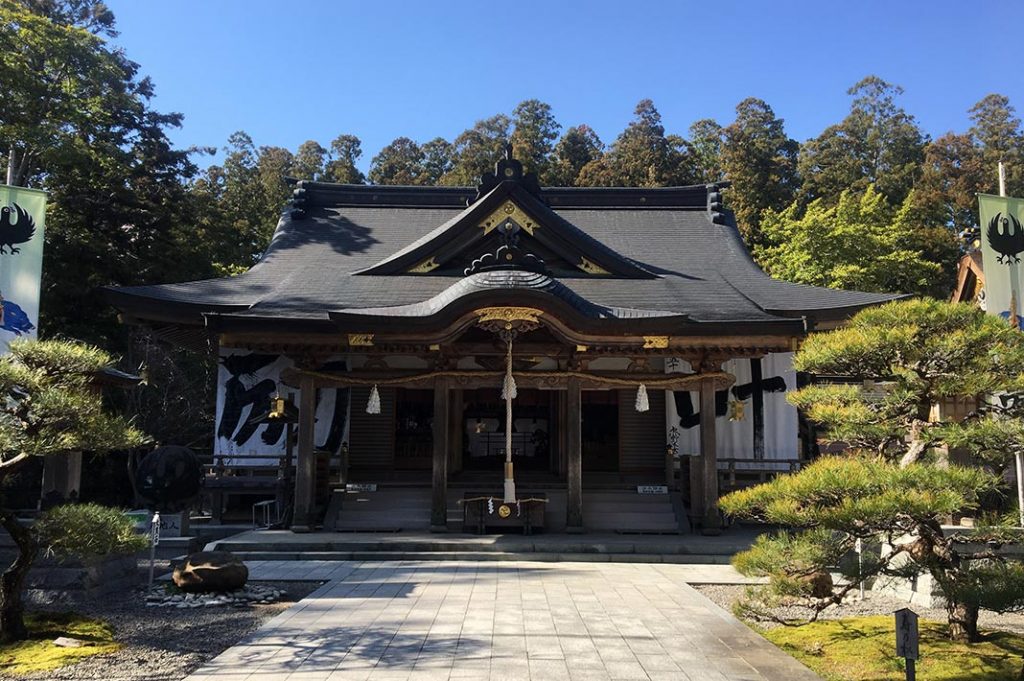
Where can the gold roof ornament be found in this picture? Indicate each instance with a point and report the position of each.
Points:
(590, 267)
(508, 211)
(655, 342)
(360, 339)
(428, 265)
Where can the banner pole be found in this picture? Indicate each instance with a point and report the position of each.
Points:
(10, 166)
(1002, 179)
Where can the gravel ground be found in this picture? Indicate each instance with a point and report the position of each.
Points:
(165, 644)
(873, 604)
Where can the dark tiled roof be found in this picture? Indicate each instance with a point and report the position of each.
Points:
(703, 273)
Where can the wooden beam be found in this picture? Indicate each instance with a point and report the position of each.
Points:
(710, 523)
(441, 432)
(574, 462)
(479, 378)
(305, 468)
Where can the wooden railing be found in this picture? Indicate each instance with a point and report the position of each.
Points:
(737, 473)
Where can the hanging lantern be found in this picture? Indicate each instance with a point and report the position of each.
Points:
(373, 404)
(642, 403)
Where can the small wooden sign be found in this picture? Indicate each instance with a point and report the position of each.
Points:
(361, 487)
(906, 634)
(652, 489)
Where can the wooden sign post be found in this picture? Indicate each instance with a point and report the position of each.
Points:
(906, 639)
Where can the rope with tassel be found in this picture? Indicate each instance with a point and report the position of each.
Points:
(509, 393)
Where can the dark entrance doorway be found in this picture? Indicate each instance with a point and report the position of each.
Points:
(533, 429)
(414, 434)
(600, 431)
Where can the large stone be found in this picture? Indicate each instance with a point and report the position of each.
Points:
(211, 571)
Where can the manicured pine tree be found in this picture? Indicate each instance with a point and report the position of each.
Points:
(896, 484)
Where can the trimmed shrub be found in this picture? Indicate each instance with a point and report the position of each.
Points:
(87, 531)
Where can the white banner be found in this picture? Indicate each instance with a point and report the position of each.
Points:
(22, 223)
(736, 437)
(246, 381)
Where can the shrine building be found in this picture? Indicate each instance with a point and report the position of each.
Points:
(404, 322)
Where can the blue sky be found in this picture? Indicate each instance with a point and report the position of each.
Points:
(286, 72)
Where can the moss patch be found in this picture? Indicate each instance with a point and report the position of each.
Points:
(864, 649)
(39, 653)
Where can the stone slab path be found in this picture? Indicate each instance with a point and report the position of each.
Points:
(512, 620)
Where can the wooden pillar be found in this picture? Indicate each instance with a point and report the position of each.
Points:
(305, 465)
(457, 428)
(441, 432)
(574, 462)
(709, 458)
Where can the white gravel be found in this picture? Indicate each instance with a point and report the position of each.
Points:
(166, 643)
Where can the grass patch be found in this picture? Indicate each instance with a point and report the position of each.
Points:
(38, 653)
(864, 649)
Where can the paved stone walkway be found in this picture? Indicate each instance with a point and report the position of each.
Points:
(504, 621)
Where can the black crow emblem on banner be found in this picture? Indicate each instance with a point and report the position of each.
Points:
(16, 227)
(1007, 242)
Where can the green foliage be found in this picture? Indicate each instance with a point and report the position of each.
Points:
(400, 162)
(878, 143)
(862, 649)
(760, 161)
(922, 352)
(534, 131)
(51, 406)
(858, 243)
(476, 150)
(87, 531)
(40, 654)
(579, 146)
(915, 353)
(857, 497)
(642, 156)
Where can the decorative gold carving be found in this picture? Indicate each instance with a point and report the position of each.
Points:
(509, 314)
(360, 339)
(581, 348)
(428, 265)
(590, 267)
(504, 511)
(434, 347)
(506, 211)
(655, 342)
(508, 322)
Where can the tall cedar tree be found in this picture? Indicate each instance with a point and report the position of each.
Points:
(400, 162)
(706, 138)
(578, 146)
(475, 151)
(642, 156)
(50, 407)
(896, 484)
(534, 131)
(760, 161)
(877, 143)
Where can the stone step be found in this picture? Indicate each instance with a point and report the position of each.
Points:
(688, 558)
